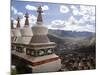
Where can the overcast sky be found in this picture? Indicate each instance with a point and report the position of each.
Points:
(57, 16)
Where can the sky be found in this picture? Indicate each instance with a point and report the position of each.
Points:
(69, 17)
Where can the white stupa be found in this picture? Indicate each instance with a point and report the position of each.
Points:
(12, 31)
(16, 32)
(26, 32)
(41, 49)
(39, 53)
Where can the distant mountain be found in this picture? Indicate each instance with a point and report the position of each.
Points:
(72, 34)
(68, 40)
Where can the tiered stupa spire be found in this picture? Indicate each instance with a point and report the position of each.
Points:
(39, 30)
(12, 27)
(18, 23)
(26, 31)
(26, 21)
(39, 17)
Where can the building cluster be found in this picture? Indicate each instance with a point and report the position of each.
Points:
(33, 45)
(78, 61)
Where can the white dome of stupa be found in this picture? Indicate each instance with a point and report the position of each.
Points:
(17, 32)
(26, 31)
(40, 30)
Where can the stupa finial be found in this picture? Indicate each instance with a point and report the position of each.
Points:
(26, 21)
(12, 27)
(18, 23)
(39, 17)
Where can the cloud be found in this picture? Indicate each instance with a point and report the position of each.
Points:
(14, 10)
(45, 7)
(83, 10)
(30, 7)
(87, 13)
(78, 28)
(72, 20)
(81, 21)
(87, 18)
(73, 7)
(72, 25)
(62, 24)
(57, 24)
(81, 28)
(90, 10)
(92, 19)
(75, 10)
(12, 18)
(32, 20)
(20, 13)
(64, 9)
(93, 11)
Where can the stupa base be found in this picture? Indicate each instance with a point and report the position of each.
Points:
(50, 65)
(47, 63)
